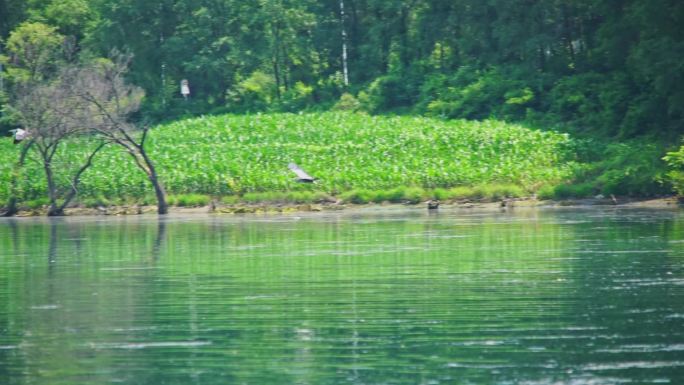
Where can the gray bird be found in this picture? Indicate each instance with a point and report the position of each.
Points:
(302, 176)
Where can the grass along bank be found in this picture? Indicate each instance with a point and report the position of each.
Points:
(357, 158)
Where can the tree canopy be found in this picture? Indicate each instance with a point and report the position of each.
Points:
(603, 67)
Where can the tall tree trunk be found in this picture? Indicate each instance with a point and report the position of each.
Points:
(276, 60)
(403, 36)
(142, 160)
(53, 208)
(345, 72)
(162, 206)
(541, 55)
(160, 193)
(285, 68)
(567, 35)
(276, 72)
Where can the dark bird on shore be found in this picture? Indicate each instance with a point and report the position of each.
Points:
(433, 204)
(507, 203)
(19, 135)
(302, 176)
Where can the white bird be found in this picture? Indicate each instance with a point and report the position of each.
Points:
(19, 135)
(302, 176)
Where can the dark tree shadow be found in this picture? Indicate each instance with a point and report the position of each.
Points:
(159, 239)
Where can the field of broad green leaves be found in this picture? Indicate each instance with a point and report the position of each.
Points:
(231, 155)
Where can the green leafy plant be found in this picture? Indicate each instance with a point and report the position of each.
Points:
(370, 158)
(675, 174)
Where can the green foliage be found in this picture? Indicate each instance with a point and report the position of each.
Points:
(230, 199)
(498, 191)
(34, 50)
(476, 94)
(546, 192)
(296, 98)
(461, 192)
(402, 194)
(489, 192)
(566, 191)
(34, 204)
(595, 102)
(100, 201)
(360, 196)
(233, 155)
(633, 168)
(72, 17)
(413, 195)
(255, 92)
(387, 93)
(590, 67)
(675, 174)
(347, 102)
(188, 200)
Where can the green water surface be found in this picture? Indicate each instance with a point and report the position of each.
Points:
(375, 296)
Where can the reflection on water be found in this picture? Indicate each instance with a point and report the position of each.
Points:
(359, 297)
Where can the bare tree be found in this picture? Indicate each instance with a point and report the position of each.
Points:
(110, 102)
(49, 112)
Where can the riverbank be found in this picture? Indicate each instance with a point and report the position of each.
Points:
(266, 208)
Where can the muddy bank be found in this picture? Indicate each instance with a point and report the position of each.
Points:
(282, 208)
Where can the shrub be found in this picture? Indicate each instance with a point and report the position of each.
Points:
(359, 196)
(603, 103)
(413, 195)
(230, 199)
(253, 93)
(188, 200)
(675, 175)
(278, 197)
(389, 92)
(473, 93)
(632, 168)
(296, 98)
(95, 202)
(508, 191)
(35, 203)
(393, 195)
(566, 191)
(440, 193)
(546, 192)
(347, 102)
(497, 191)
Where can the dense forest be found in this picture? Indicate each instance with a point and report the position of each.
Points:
(608, 73)
(612, 68)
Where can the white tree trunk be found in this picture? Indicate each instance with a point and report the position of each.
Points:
(345, 71)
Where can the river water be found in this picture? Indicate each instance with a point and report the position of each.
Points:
(374, 296)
